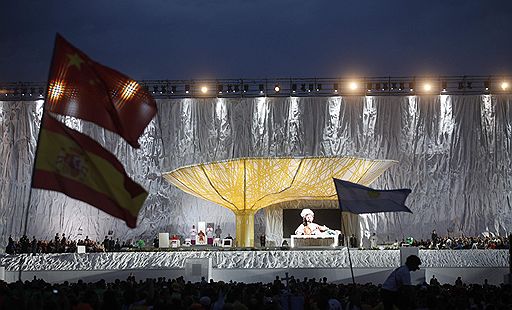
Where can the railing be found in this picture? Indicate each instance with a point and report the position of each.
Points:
(299, 87)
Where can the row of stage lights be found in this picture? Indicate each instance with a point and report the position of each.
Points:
(282, 87)
(351, 87)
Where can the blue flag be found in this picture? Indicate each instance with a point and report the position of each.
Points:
(360, 199)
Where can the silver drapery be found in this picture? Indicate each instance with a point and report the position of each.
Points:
(455, 154)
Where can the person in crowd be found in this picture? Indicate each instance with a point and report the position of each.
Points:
(434, 281)
(458, 282)
(397, 289)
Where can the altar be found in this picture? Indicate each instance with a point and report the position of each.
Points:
(312, 241)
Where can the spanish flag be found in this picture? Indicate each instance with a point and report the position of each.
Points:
(70, 162)
(80, 87)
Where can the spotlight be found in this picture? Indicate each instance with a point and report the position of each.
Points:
(444, 86)
(294, 88)
(385, 87)
(487, 84)
(427, 87)
(369, 87)
(402, 86)
(246, 88)
(204, 89)
(393, 86)
(310, 87)
(352, 85)
(318, 87)
(32, 90)
(41, 92)
(163, 89)
(187, 89)
(303, 87)
(411, 86)
(173, 89)
(277, 88)
(504, 85)
(155, 89)
(262, 88)
(335, 87)
(220, 88)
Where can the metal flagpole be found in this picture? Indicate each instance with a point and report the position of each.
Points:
(348, 249)
(25, 229)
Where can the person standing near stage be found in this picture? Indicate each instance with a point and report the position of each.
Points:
(434, 238)
(397, 289)
(373, 241)
(193, 234)
(218, 232)
(209, 234)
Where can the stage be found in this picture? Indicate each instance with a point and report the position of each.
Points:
(255, 265)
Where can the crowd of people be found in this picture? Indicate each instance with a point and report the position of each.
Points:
(463, 242)
(62, 244)
(291, 293)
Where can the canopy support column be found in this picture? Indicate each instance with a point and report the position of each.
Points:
(245, 228)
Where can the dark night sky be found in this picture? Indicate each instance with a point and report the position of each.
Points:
(197, 39)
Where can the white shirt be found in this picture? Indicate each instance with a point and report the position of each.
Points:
(398, 278)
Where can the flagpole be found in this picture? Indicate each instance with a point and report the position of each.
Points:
(348, 249)
(25, 229)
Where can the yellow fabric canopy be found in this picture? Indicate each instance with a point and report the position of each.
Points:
(245, 185)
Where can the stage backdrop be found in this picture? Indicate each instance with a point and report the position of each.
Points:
(455, 154)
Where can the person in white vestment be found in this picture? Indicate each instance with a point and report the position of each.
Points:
(308, 227)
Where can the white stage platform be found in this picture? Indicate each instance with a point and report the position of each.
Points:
(259, 265)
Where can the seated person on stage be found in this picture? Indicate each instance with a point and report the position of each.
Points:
(309, 228)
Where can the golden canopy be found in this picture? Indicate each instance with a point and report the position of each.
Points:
(245, 185)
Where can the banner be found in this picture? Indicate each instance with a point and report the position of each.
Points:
(358, 199)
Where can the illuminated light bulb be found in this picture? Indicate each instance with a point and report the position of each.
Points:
(204, 89)
(277, 88)
(504, 85)
(352, 85)
(427, 87)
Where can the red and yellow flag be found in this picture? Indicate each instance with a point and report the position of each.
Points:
(70, 162)
(83, 88)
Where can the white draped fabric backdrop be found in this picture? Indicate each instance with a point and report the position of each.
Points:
(455, 154)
